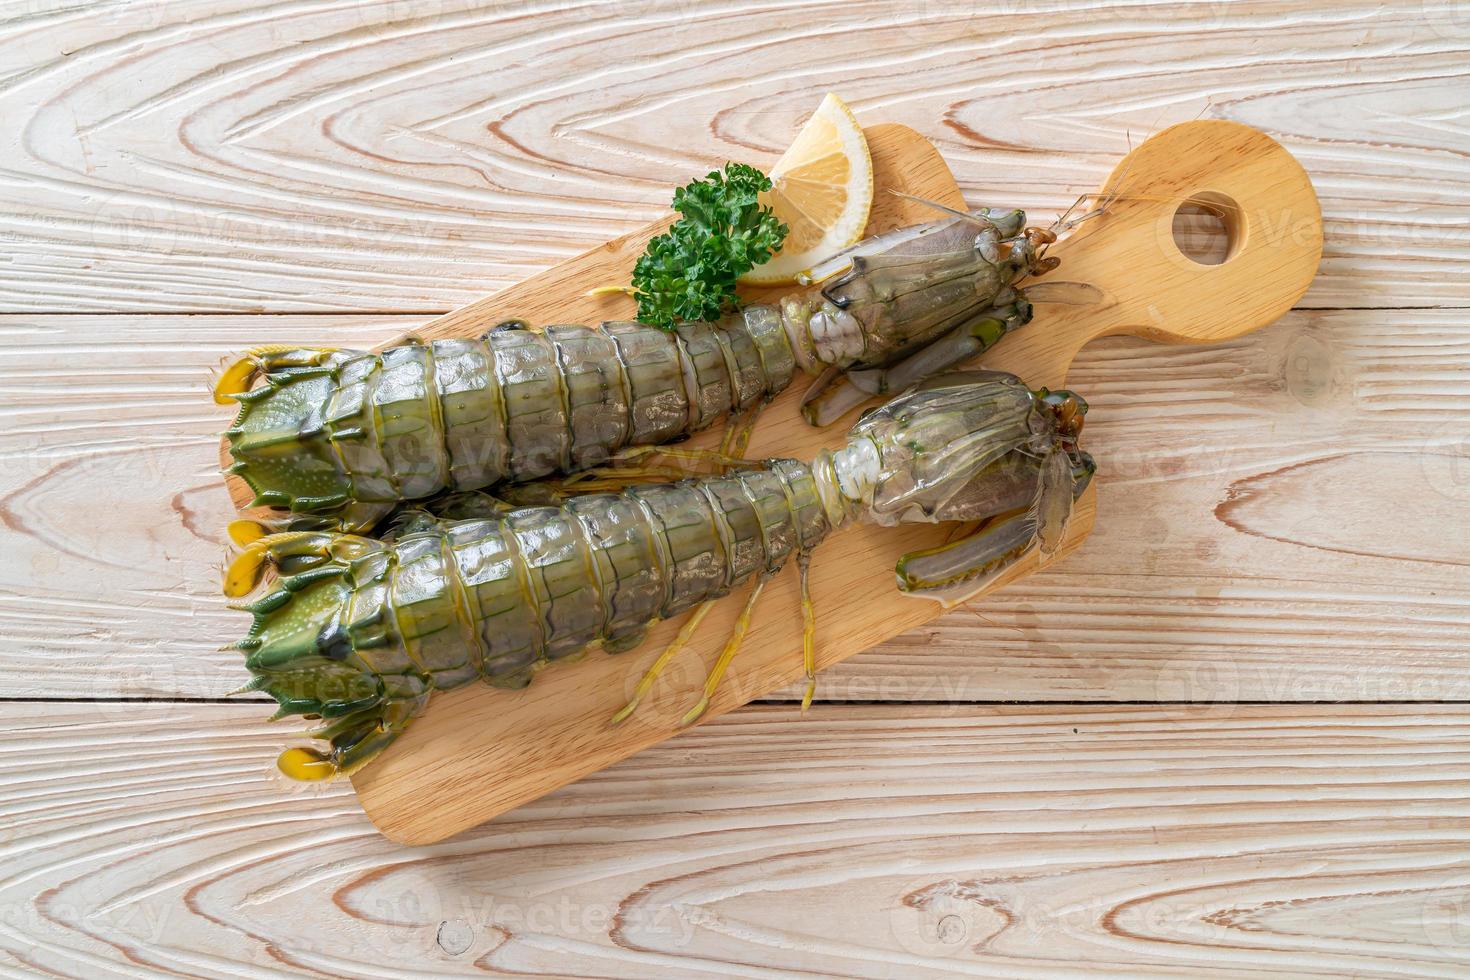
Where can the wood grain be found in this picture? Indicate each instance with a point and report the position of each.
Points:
(337, 155)
(144, 840)
(1279, 512)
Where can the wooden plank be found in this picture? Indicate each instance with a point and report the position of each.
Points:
(1328, 593)
(867, 842)
(1278, 512)
(232, 156)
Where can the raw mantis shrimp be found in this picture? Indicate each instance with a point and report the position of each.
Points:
(335, 438)
(359, 632)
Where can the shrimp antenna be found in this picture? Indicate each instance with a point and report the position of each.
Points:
(1063, 224)
(990, 622)
(975, 218)
(1065, 221)
(1067, 224)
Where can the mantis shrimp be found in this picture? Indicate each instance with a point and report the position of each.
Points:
(336, 438)
(359, 632)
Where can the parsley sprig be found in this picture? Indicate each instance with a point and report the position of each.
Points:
(689, 272)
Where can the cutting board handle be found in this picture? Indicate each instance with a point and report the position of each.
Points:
(1142, 284)
(1149, 287)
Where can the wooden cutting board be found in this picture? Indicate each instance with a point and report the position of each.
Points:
(480, 751)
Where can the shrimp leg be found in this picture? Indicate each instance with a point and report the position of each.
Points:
(737, 433)
(645, 683)
(808, 630)
(829, 399)
(732, 647)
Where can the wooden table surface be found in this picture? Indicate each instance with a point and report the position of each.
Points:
(1228, 736)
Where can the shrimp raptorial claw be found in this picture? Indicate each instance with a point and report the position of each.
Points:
(1027, 506)
(294, 554)
(824, 404)
(238, 376)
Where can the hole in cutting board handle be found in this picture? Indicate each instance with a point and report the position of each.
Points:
(1207, 228)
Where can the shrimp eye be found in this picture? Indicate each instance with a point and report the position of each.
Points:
(1079, 416)
(1068, 410)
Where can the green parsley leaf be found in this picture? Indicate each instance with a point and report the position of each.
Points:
(689, 272)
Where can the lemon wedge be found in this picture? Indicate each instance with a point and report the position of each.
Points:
(822, 188)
